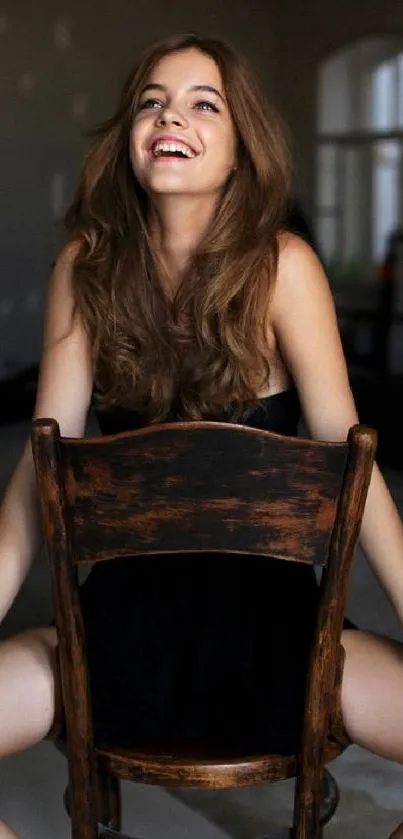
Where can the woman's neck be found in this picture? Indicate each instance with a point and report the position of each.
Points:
(177, 226)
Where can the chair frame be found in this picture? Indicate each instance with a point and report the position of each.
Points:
(94, 769)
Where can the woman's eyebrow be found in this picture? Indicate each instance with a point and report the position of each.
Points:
(207, 87)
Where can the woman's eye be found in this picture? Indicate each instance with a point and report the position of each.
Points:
(204, 105)
(150, 103)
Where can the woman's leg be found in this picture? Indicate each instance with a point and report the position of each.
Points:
(27, 692)
(372, 695)
(6, 832)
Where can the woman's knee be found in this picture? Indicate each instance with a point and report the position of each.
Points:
(372, 693)
(27, 689)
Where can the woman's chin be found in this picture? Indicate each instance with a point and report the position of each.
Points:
(177, 189)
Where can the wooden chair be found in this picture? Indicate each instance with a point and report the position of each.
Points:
(200, 487)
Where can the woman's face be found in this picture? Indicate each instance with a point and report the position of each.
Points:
(183, 138)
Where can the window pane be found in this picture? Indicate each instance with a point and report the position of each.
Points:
(326, 169)
(359, 192)
(400, 90)
(326, 235)
(384, 95)
(326, 216)
(354, 205)
(386, 167)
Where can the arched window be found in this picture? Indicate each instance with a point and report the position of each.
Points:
(359, 155)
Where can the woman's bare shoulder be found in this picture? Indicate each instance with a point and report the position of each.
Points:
(301, 278)
(68, 254)
(304, 320)
(295, 251)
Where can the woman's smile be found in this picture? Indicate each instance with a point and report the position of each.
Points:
(183, 140)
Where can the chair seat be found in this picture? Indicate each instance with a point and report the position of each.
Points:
(185, 767)
(181, 764)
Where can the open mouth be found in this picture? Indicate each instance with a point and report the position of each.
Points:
(163, 148)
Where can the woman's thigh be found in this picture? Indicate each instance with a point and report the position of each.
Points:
(372, 693)
(27, 688)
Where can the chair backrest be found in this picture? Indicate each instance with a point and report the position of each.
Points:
(192, 487)
(204, 486)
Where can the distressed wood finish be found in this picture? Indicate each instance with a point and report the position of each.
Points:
(200, 486)
(323, 679)
(182, 768)
(73, 671)
(217, 487)
(185, 768)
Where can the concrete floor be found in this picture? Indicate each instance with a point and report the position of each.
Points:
(32, 783)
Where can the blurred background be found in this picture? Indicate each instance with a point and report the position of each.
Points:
(334, 69)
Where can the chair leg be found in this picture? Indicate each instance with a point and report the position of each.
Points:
(66, 801)
(110, 806)
(308, 789)
(109, 802)
(328, 805)
(330, 798)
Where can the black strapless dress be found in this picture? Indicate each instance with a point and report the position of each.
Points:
(211, 649)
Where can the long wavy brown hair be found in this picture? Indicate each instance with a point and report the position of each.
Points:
(205, 353)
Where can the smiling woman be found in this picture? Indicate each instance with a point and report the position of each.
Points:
(177, 114)
(195, 227)
(180, 296)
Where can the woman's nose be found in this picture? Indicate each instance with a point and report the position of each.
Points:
(170, 116)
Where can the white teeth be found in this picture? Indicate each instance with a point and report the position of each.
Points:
(161, 146)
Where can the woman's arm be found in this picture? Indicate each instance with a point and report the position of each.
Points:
(64, 392)
(305, 325)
